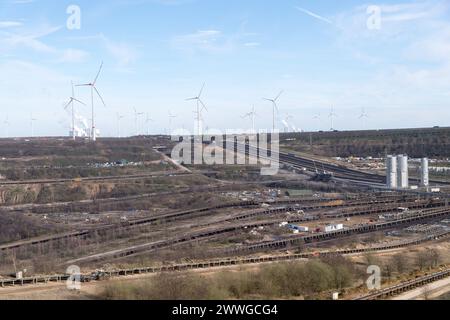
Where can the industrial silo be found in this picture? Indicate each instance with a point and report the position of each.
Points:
(391, 172)
(402, 172)
(424, 173)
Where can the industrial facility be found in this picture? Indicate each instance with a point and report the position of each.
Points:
(398, 172)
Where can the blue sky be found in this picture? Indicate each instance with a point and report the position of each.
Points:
(157, 53)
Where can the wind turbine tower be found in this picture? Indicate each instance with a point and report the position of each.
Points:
(7, 124)
(71, 103)
(200, 107)
(274, 109)
(147, 121)
(317, 118)
(119, 119)
(331, 116)
(93, 87)
(32, 120)
(171, 117)
(137, 115)
(252, 116)
(363, 118)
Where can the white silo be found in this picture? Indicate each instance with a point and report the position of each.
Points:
(424, 173)
(402, 173)
(391, 172)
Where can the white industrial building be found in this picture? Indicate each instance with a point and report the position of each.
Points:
(391, 172)
(397, 172)
(402, 172)
(424, 173)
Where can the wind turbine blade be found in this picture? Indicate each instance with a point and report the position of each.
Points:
(83, 85)
(68, 104)
(191, 99)
(79, 101)
(99, 95)
(98, 74)
(203, 105)
(201, 91)
(279, 95)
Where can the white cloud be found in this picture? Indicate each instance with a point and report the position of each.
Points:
(314, 15)
(74, 55)
(22, 1)
(252, 44)
(124, 53)
(201, 39)
(10, 40)
(213, 41)
(10, 24)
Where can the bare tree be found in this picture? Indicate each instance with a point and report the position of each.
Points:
(400, 262)
(426, 292)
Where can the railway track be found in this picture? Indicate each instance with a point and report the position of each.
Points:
(295, 240)
(171, 216)
(94, 179)
(181, 215)
(404, 202)
(406, 286)
(314, 166)
(310, 165)
(226, 262)
(338, 172)
(210, 233)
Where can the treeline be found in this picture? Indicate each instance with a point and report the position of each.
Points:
(282, 280)
(111, 149)
(415, 143)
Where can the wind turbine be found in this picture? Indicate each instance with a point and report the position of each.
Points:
(275, 108)
(136, 120)
(363, 117)
(6, 123)
(331, 116)
(147, 121)
(317, 118)
(171, 117)
(199, 118)
(32, 120)
(252, 116)
(119, 119)
(94, 88)
(71, 103)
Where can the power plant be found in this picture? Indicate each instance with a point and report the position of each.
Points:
(397, 172)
